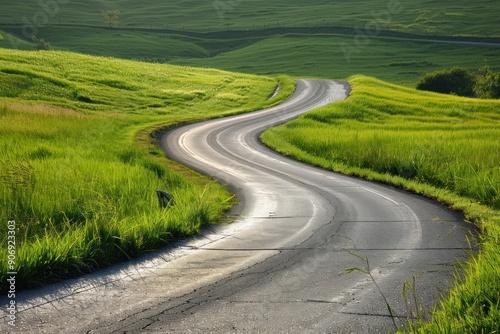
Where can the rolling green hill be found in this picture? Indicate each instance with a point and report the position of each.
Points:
(78, 168)
(334, 56)
(78, 161)
(442, 18)
(328, 39)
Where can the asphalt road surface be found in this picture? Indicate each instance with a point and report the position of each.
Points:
(280, 266)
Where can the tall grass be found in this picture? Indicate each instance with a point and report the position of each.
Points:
(78, 179)
(448, 142)
(80, 201)
(473, 305)
(441, 146)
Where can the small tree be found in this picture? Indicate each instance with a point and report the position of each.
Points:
(487, 83)
(41, 44)
(111, 17)
(458, 81)
(1, 37)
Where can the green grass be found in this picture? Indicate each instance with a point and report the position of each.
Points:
(109, 108)
(473, 305)
(286, 33)
(320, 55)
(9, 41)
(132, 44)
(125, 44)
(333, 56)
(460, 17)
(79, 167)
(444, 147)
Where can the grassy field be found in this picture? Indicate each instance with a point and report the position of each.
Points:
(233, 35)
(333, 56)
(444, 147)
(436, 17)
(319, 55)
(78, 167)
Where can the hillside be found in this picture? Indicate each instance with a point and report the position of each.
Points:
(443, 147)
(395, 41)
(78, 162)
(442, 18)
(445, 141)
(79, 167)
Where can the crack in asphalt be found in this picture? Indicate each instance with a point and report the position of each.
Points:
(328, 249)
(366, 314)
(297, 301)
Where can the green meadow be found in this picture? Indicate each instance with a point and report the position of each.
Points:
(333, 56)
(460, 17)
(79, 167)
(443, 147)
(78, 160)
(385, 39)
(395, 59)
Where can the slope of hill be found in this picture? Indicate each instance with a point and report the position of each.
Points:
(442, 18)
(78, 168)
(333, 56)
(379, 38)
(444, 147)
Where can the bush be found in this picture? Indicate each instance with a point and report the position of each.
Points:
(457, 81)
(41, 44)
(487, 84)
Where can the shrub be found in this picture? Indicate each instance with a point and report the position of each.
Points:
(487, 84)
(41, 44)
(457, 81)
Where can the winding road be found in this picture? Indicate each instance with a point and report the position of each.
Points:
(280, 266)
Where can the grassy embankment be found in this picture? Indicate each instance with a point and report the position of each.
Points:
(444, 147)
(309, 51)
(78, 167)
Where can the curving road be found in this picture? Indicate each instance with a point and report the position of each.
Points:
(278, 267)
(313, 222)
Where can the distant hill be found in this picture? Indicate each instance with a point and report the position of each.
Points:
(387, 39)
(445, 18)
